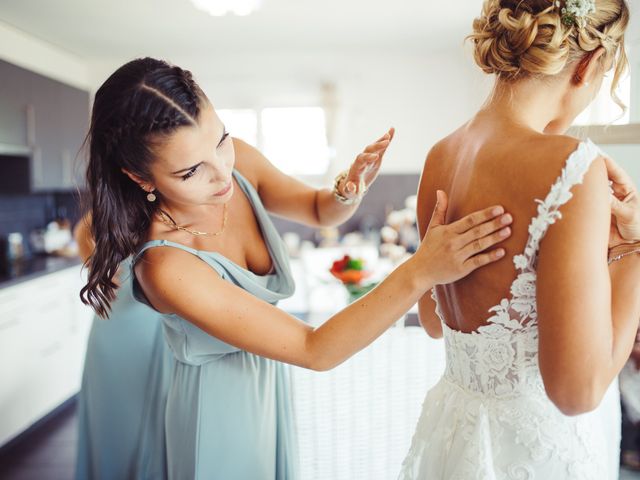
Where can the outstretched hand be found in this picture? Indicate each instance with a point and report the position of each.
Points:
(365, 168)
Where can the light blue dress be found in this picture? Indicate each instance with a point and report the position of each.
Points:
(124, 390)
(229, 412)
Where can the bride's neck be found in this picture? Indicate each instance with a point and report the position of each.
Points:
(530, 103)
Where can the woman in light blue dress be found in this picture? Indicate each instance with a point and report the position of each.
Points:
(169, 186)
(124, 389)
(240, 410)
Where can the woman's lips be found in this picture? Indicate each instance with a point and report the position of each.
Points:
(223, 191)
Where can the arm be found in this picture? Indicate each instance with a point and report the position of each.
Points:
(426, 305)
(292, 199)
(587, 312)
(240, 319)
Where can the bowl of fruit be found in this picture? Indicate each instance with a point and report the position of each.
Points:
(351, 272)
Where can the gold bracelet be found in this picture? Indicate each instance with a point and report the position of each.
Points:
(339, 196)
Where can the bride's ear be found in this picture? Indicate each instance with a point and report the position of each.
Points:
(588, 68)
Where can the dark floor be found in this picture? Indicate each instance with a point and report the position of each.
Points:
(46, 452)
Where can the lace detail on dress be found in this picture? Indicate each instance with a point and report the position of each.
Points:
(520, 311)
(492, 395)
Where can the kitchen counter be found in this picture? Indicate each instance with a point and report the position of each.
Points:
(36, 267)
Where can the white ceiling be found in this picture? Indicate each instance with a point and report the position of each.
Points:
(126, 28)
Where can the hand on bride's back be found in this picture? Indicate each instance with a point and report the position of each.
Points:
(625, 206)
(455, 250)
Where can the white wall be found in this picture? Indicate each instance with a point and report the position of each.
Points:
(628, 156)
(29, 52)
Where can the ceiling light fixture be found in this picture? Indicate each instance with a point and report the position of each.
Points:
(220, 8)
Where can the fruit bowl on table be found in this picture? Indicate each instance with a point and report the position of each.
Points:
(351, 273)
(350, 277)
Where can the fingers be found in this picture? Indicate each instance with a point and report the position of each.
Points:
(382, 143)
(387, 136)
(367, 162)
(483, 259)
(378, 146)
(355, 179)
(476, 218)
(440, 211)
(481, 244)
(622, 182)
(620, 209)
(485, 229)
(363, 162)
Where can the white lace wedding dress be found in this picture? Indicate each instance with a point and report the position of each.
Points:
(489, 416)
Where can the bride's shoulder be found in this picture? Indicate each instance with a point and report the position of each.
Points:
(545, 157)
(556, 148)
(443, 154)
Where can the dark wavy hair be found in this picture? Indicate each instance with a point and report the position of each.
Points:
(141, 104)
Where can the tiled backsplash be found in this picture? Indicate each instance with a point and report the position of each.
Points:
(24, 213)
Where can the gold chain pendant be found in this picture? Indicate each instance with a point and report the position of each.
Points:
(170, 222)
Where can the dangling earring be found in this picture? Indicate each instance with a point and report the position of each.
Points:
(151, 197)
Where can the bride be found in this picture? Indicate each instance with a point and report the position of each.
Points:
(534, 345)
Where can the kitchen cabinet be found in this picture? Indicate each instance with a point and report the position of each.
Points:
(14, 88)
(43, 335)
(49, 119)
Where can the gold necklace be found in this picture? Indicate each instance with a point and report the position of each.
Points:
(167, 220)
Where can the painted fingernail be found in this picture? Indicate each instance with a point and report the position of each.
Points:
(497, 211)
(507, 219)
(505, 232)
(499, 253)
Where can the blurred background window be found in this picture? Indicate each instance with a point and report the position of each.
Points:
(294, 139)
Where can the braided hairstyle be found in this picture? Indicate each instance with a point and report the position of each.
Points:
(137, 107)
(516, 39)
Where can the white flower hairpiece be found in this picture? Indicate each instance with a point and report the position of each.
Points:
(575, 12)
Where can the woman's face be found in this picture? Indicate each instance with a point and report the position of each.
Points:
(194, 165)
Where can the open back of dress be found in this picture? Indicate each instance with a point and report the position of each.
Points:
(489, 416)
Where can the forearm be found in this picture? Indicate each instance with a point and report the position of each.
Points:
(355, 327)
(625, 309)
(329, 211)
(428, 317)
(603, 344)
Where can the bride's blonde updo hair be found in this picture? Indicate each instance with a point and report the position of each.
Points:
(515, 39)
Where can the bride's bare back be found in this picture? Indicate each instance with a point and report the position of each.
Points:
(488, 161)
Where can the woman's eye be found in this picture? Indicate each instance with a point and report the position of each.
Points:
(190, 173)
(224, 138)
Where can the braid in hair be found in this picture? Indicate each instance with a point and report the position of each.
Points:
(144, 100)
